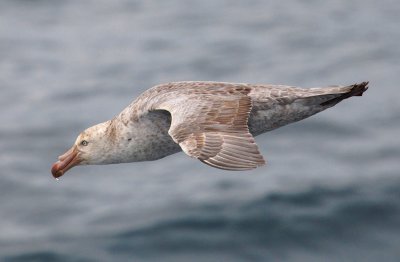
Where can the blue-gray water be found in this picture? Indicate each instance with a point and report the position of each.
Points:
(330, 192)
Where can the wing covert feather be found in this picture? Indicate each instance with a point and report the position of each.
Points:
(210, 124)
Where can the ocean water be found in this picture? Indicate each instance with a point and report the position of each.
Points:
(330, 191)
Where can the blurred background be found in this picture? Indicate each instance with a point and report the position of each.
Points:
(330, 190)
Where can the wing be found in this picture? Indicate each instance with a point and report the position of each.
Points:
(210, 124)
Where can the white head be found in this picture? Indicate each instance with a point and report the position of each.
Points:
(96, 145)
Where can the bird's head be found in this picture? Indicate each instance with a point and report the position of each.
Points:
(90, 148)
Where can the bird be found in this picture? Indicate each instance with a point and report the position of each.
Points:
(214, 122)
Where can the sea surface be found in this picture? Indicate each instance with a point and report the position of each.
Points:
(330, 191)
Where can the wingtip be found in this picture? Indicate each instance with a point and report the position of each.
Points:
(359, 89)
(352, 90)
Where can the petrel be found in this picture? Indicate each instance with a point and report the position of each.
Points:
(214, 122)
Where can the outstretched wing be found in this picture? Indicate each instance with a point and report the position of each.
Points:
(210, 124)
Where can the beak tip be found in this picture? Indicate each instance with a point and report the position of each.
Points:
(55, 170)
(65, 162)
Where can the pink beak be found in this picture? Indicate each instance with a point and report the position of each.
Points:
(66, 162)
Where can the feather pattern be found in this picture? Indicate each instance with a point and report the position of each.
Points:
(212, 121)
(215, 121)
(212, 126)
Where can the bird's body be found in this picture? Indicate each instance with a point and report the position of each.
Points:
(212, 121)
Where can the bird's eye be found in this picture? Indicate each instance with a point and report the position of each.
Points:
(84, 143)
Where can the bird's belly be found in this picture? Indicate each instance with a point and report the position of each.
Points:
(162, 148)
(152, 139)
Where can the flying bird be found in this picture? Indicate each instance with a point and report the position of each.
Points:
(214, 122)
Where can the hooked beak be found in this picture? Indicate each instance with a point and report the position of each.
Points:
(65, 162)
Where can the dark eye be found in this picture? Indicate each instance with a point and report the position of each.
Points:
(84, 143)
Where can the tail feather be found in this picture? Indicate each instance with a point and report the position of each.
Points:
(354, 90)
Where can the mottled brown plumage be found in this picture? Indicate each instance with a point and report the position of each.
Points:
(212, 121)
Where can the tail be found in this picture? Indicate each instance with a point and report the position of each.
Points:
(353, 90)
